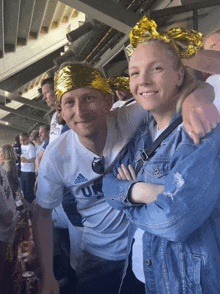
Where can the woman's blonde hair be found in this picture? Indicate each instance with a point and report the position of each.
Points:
(8, 152)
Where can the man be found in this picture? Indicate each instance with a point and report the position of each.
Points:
(78, 160)
(212, 42)
(27, 176)
(44, 133)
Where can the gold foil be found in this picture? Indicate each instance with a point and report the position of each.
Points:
(186, 42)
(74, 76)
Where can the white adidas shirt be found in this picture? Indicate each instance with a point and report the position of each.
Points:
(68, 163)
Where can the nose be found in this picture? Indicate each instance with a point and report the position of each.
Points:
(44, 97)
(145, 79)
(79, 109)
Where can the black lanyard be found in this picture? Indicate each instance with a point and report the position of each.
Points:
(148, 153)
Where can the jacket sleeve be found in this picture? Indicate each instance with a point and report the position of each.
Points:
(192, 189)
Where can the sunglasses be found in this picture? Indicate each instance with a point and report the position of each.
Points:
(98, 165)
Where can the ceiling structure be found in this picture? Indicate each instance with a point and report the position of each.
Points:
(38, 35)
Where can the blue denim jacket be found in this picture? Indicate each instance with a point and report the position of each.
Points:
(182, 227)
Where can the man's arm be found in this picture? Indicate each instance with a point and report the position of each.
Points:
(43, 237)
(40, 155)
(204, 60)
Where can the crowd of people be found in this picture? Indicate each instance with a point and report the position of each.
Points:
(125, 195)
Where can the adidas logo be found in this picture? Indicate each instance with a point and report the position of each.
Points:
(80, 179)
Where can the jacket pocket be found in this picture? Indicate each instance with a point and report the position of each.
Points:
(156, 169)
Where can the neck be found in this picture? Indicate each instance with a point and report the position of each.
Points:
(163, 121)
(96, 142)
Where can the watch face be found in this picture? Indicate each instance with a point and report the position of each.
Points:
(27, 274)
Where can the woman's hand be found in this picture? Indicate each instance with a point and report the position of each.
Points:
(125, 173)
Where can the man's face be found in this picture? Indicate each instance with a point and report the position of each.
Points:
(24, 140)
(212, 42)
(43, 134)
(85, 110)
(48, 95)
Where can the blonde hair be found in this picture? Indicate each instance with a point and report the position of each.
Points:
(8, 152)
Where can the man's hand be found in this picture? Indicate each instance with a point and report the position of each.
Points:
(199, 118)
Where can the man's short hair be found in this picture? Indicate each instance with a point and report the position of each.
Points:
(49, 81)
(46, 127)
(24, 135)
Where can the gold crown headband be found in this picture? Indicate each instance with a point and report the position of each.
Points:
(146, 29)
(75, 76)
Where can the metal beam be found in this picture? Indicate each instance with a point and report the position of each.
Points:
(11, 13)
(31, 72)
(2, 42)
(31, 103)
(9, 131)
(168, 12)
(13, 126)
(21, 113)
(38, 17)
(25, 19)
(107, 12)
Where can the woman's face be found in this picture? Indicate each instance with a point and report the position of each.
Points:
(154, 81)
(2, 157)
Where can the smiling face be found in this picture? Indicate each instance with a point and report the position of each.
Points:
(154, 79)
(85, 110)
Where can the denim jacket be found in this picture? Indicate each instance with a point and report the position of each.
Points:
(181, 243)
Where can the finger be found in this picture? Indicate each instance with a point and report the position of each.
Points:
(132, 172)
(126, 172)
(195, 138)
(119, 177)
(121, 174)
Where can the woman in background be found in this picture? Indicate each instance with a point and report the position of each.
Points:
(8, 162)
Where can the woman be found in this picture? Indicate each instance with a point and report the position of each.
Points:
(173, 204)
(7, 214)
(8, 162)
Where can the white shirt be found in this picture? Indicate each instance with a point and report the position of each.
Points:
(214, 81)
(68, 163)
(55, 128)
(28, 151)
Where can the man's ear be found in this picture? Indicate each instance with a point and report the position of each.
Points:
(180, 76)
(109, 100)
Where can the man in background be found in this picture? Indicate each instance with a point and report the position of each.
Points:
(27, 167)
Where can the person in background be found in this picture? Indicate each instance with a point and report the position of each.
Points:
(27, 167)
(7, 214)
(17, 148)
(8, 163)
(37, 142)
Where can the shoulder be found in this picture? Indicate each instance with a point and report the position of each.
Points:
(61, 144)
